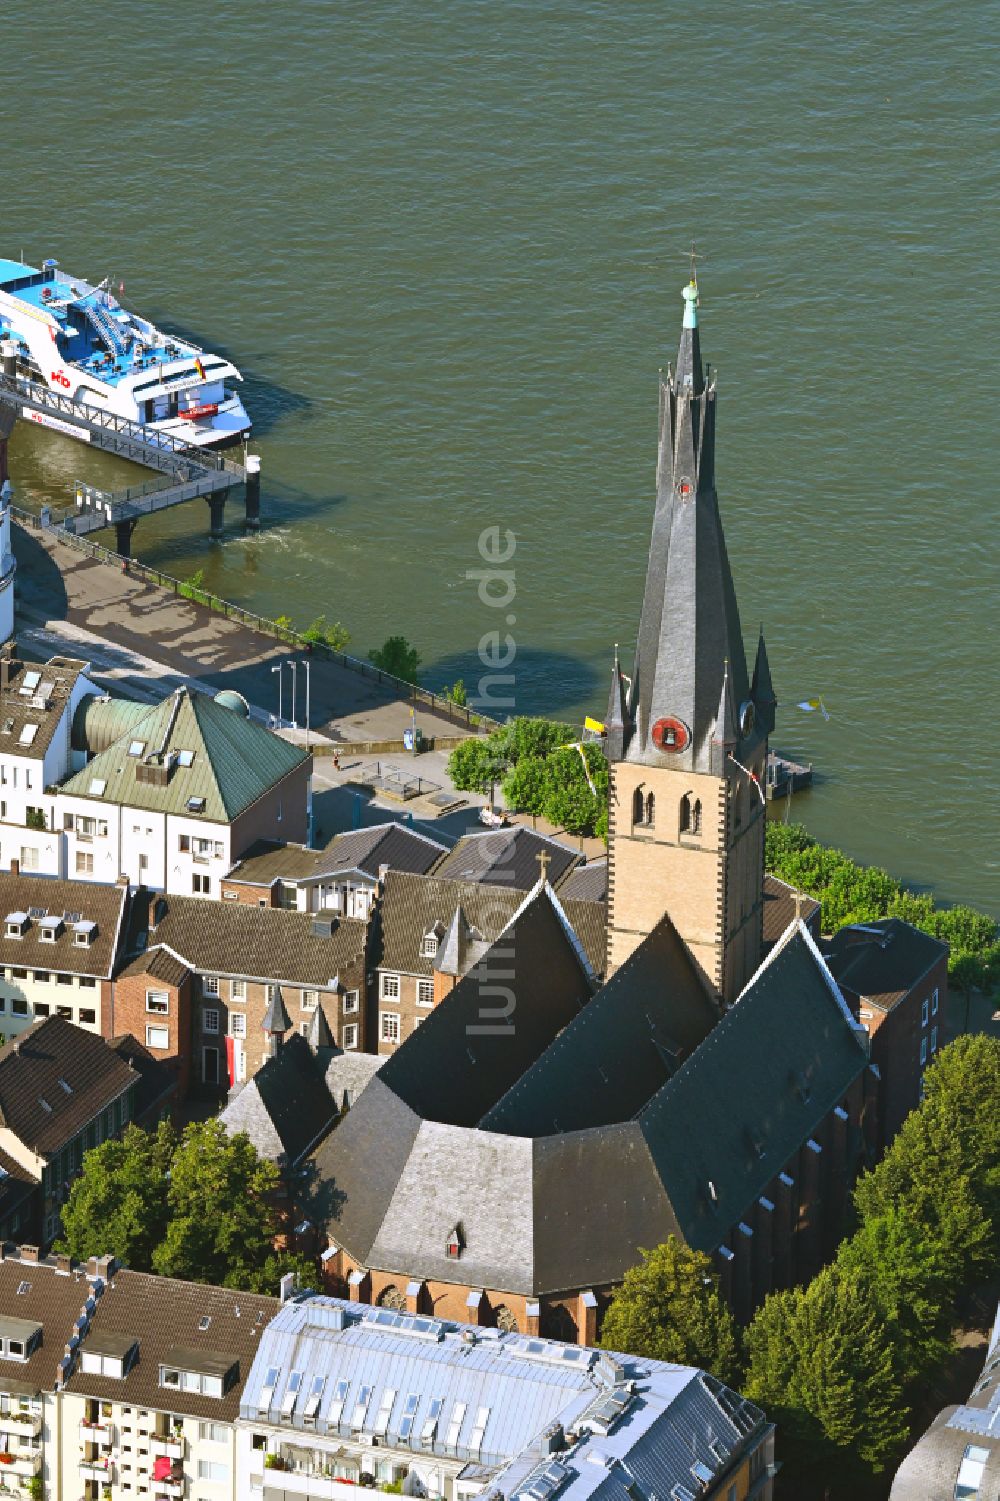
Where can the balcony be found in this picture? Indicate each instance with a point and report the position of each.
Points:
(166, 1490)
(168, 1445)
(100, 1431)
(98, 1469)
(22, 1463)
(21, 1423)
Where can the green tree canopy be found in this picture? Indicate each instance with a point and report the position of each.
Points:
(476, 765)
(820, 1363)
(221, 1204)
(669, 1308)
(397, 657)
(119, 1202)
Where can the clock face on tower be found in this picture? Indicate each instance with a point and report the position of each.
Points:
(671, 735)
(747, 716)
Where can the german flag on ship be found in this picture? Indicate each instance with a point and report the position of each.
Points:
(200, 368)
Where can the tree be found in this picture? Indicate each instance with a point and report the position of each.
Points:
(527, 786)
(820, 1363)
(397, 657)
(669, 1308)
(119, 1202)
(901, 1270)
(336, 636)
(222, 1216)
(572, 803)
(456, 694)
(475, 765)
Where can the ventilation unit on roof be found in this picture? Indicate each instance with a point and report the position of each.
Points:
(322, 927)
(544, 1481)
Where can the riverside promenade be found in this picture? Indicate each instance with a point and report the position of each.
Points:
(131, 629)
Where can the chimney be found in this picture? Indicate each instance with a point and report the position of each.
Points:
(287, 1286)
(28, 1253)
(15, 867)
(64, 1263)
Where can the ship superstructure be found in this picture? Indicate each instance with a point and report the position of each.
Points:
(78, 340)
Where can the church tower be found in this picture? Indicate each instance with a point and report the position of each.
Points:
(688, 742)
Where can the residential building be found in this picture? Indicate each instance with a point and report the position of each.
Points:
(342, 877)
(508, 857)
(958, 1458)
(38, 702)
(186, 791)
(380, 1398)
(207, 981)
(59, 947)
(430, 931)
(62, 1091)
(895, 979)
(116, 1384)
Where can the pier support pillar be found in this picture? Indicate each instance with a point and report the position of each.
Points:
(8, 416)
(252, 521)
(123, 532)
(217, 508)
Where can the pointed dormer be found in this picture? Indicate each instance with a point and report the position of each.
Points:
(617, 719)
(762, 689)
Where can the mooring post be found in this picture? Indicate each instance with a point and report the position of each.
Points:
(217, 507)
(123, 533)
(252, 521)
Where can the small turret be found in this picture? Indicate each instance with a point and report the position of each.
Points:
(617, 722)
(725, 736)
(762, 689)
(276, 1022)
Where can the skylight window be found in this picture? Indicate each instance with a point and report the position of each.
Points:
(196, 805)
(702, 1473)
(8, 727)
(29, 683)
(27, 735)
(384, 1410)
(136, 747)
(65, 1085)
(185, 758)
(337, 1405)
(409, 1413)
(204, 1322)
(98, 786)
(313, 1401)
(45, 1104)
(38, 912)
(22, 1288)
(361, 1407)
(291, 1393)
(455, 1426)
(429, 1430)
(479, 1429)
(267, 1390)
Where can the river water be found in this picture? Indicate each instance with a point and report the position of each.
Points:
(445, 244)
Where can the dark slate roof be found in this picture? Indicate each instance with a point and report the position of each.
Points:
(650, 1016)
(734, 1113)
(34, 1105)
(363, 851)
(586, 883)
(465, 1055)
(545, 1210)
(883, 960)
(779, 910)
(157, 1080)
(16, 1185)
(506, 857)
(235, 760)
(234, 938)
(286, 1107)
(411, 906)
(23, 703)
(348, 1073)
(102, 905)
(164, 1315)
(589, 921)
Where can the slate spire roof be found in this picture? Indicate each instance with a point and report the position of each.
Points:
(617, 719)
(690, 624)
(320, 1036)
(453, 950)
(276, 1019)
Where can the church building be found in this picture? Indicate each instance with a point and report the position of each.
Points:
(507, 1163)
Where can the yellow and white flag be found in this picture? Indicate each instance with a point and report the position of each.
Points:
(810, 705)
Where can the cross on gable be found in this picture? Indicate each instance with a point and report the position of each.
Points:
(543, 857)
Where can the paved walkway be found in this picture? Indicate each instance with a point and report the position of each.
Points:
(133, 629)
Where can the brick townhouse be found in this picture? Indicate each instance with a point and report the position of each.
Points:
(201, 979)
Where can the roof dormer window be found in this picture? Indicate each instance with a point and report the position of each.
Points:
(84, 934)
(108, 1354)
(16, 924)
(429, 945)
(50, 927)
(19, 1338)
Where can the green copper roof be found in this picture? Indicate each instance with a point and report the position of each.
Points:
(188, 747)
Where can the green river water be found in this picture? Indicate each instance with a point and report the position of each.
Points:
(445, 242)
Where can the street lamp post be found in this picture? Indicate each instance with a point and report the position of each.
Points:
(295, 710)
(277, 669)
(306, 664)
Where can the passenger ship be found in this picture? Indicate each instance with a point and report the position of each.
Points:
(78, 340)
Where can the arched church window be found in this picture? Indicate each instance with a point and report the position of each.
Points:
(650, 809)
(696, 816)
(506, 1319)
(685, 814)
(638, 806)
(391, 1297)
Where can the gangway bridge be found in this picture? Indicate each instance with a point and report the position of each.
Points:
(184, 473)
